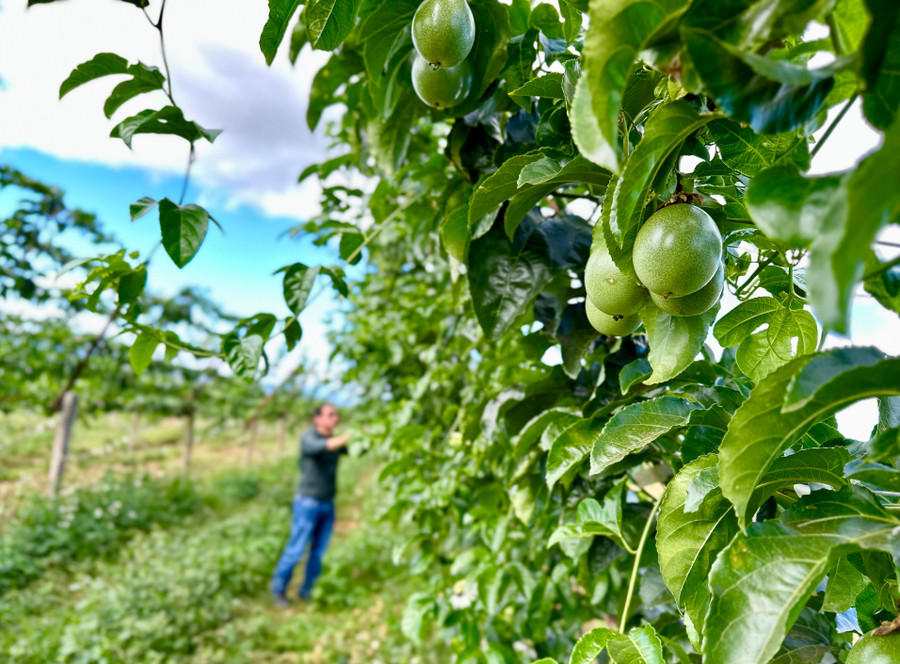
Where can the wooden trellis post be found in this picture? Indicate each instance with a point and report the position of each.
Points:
(61, 439)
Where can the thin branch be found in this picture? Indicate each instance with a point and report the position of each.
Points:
(834, 124)
(883, 268)
(637, 563)
(187, 175)
(79, 368)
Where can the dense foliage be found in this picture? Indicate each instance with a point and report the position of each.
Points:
(645, 496)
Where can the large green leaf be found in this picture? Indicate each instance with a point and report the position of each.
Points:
(688, 542)
(243, 354)
(183, 230)
(640, 646)
(298, 282)
(762, 580)
(524, 194)
(771, 96)
(280, 14)
(167, 120)
(102, 64)
(666, 130)
(838, 217)
(749, 153)
(674, 341)
(638, 425)
(789, 333)
(328, 22)
(143, 79)
(569, 438)
(882, 96)
(619, 29)
(761, 431)
(505, 276)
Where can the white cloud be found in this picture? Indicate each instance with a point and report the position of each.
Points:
(219, 77)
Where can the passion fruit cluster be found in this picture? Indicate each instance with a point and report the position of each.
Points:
(443, 33)
(677, 258)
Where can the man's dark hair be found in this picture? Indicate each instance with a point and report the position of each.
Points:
(320, 408)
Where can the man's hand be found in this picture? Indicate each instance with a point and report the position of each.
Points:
(337, 442)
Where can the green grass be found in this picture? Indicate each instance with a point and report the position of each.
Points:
(194, 588)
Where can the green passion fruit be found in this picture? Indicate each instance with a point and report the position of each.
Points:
(613, 326)
(677, 250)
(609, 289)
(443, 31)
(872, 649)
(695, 303)
(441, 88)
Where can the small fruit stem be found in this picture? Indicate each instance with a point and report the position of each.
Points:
(637, 563)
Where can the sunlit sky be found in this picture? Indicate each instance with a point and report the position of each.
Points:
(247, 179)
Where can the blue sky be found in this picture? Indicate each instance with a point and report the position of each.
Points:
(236, 266)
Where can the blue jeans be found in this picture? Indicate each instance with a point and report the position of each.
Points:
(312, 525)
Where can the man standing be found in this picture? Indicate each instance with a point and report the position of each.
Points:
(313, 505)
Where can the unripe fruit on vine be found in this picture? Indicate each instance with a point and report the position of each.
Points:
(695, 303)
(873, 649)
(677, 250)
(441, 88)
(609, 289)
(613, 326)
(443, 31)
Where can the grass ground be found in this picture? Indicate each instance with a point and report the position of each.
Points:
(192, 587)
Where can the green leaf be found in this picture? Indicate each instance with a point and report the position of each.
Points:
(504, 184)
(569, 438)
(744, 319)
(131, 285)
(141, 207)
(822, 466)
(689, 541)
(638, 425)
(243, 354)
(674, 341)
(749, 153)
(298, 282)
(640, 646)
(143, 79)
(292, 333)
(167, 120)
(665, 131)
(183, 230)
(771, 96)
(809, 640)
(807, 382)
(837, 257)
(760, 431)
(634, 373)
(102, 64)
(789, 208)
(328, 22)
(845, 583)
(619, 31)
(762, 580)
(594, 519)
(880, 102)
(545, 18)
(389, 138)
(280, 14)
(141, 353)
(576, 335)
(761, 353)
(505, 277)
(418, 608)
(591, 645)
